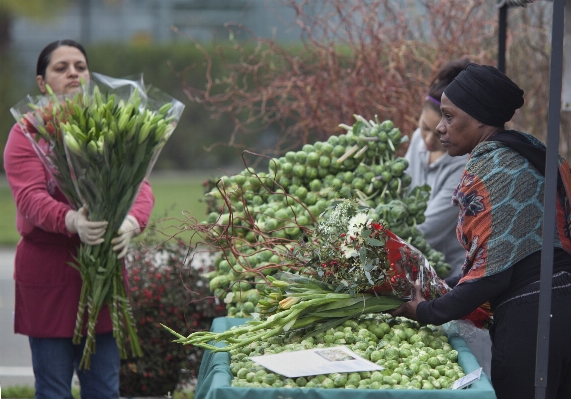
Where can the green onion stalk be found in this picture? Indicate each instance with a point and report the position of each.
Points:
(292, 302)
(103, 149)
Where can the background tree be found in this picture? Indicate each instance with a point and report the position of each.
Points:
(370, 58)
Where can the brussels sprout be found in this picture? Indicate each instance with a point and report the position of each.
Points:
(280, 234)
(301, 382)
(315, 185)
(395, 136)
(397, 169)
(248, 307)
(308, 148)
(397, 377)
(290, 156)
(339, 150)
(333, 140)
(376, 376)
(302, 220)
(298, 171)
(301, 157)
(301, 192)
(313, 159)
(349, 163)
(224, 267)
(339, 379)
(240, 180)
(406, 180)
(311, 173)
(327, 383)
(348, 177)
(269, 378)
(452, 355)
(286, 167)
(322, 172)
(242, 373)
(336, 184)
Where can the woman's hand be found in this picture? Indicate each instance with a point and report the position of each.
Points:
(90, 233)
(408, 309)
(129, 228)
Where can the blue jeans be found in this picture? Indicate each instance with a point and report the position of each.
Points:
(55, 359)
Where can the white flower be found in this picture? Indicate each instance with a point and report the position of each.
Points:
(355, 225)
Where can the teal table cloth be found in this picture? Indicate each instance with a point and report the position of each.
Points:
(214, 379)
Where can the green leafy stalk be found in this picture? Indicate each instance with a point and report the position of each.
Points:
(313, 305)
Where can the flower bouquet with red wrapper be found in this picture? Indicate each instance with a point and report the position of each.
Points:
(356, 254)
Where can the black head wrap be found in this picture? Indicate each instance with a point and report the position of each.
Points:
(486, 94)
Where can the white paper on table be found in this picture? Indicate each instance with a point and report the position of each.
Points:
(338, 359)
(468, 379)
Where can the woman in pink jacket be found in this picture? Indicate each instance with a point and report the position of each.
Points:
(47, 287)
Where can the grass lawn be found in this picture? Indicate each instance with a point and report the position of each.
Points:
(8, 234)
(177, 200)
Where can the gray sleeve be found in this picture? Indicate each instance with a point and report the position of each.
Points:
(416, 169)
(439, 228)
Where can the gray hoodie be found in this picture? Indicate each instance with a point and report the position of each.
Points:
(442, 176)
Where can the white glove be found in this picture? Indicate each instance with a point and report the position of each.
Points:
(90, 233)
(129, 229)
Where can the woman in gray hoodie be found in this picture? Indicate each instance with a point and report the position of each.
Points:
(429, 163)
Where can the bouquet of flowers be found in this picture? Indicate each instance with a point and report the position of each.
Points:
(356, 254)
(349, 266)
(99, 145)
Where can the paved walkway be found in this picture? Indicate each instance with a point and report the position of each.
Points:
(15, 357)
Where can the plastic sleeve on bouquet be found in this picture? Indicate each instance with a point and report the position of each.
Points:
(408, 265)
(38, 117)
(126, 131)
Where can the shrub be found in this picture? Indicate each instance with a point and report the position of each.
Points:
(164, 288)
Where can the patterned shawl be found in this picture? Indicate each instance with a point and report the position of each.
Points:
(501, 208)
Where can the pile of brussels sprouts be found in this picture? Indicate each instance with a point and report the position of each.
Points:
(413, 357)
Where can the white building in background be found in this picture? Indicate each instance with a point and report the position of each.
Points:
(93, 21)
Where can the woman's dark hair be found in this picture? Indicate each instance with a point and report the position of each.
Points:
(46, 54)
(443, 78)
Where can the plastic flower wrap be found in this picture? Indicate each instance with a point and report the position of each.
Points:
(99, 145)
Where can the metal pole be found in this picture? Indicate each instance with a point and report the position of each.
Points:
(551, 166)
(503, 27)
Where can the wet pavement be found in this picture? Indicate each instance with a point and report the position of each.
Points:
(15, 356)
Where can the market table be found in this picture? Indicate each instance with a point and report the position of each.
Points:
(214, 379)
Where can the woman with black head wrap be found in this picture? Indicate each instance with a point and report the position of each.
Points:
(500, 199)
